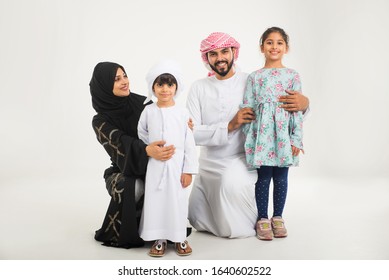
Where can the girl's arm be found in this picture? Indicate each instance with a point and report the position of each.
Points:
(296, 132)
(248, 103)
(296, 121)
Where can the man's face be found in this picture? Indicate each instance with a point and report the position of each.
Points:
(221, 60)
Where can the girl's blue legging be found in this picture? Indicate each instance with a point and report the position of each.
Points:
(280, 182)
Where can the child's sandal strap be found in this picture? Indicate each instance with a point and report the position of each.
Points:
(158, 249)
(183, 248)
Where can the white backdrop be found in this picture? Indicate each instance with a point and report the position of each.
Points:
(48, 50)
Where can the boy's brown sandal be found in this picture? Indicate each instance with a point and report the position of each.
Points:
(183, 248)
(158, 249)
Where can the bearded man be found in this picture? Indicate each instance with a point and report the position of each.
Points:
(222, 200)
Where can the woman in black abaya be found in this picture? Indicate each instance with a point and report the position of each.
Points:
(118, 111)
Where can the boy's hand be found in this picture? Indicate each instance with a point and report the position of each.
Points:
(186, 179)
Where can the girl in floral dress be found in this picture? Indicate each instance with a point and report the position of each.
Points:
(274, 138)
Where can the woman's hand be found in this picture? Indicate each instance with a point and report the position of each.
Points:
(186, 179)
(157, 150)
(294, 101)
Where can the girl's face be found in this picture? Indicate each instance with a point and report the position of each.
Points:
(165, 93)
(121, 87)
(274, 47)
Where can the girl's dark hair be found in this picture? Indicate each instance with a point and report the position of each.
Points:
(165, 78)
(271, 30)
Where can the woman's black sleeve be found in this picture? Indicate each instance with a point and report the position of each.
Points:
(128, 153)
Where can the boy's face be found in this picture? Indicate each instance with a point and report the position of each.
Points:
(165, 92)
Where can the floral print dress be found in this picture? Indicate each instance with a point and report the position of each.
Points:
(270, 136)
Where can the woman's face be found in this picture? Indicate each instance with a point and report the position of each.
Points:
(121, 87)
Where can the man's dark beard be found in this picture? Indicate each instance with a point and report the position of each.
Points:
(223, 73)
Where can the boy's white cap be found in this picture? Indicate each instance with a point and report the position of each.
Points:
(164, 66)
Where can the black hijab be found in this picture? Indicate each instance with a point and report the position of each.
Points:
(123, 112)
(101, 88)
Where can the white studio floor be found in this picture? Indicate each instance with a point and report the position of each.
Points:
(54, 217)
